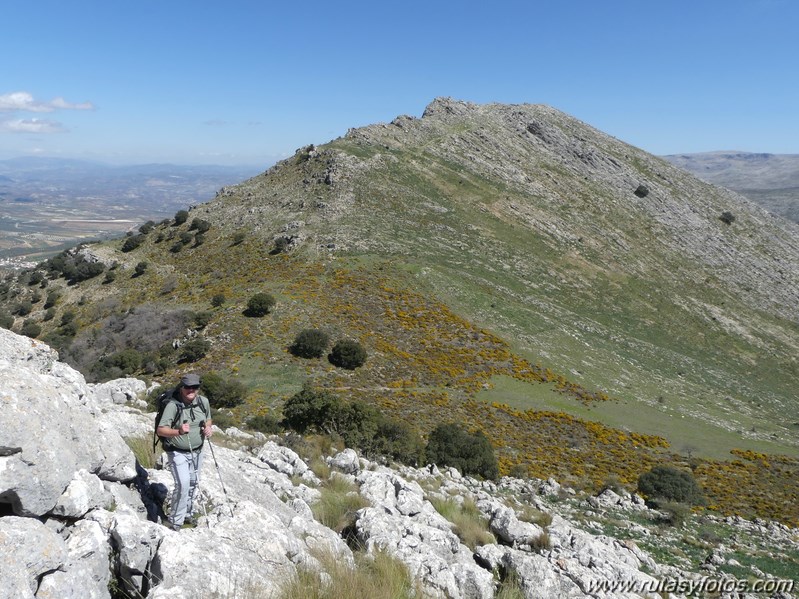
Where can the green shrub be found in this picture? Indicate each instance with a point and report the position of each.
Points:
(259, 305)
(49, 314)
(677, 513)
(31, 329)
(81, 270)
(450, 445)
(727, 218)
(147, 227)
(194, 350)
(670, 484)
(399, 442)
(23, 308)
(117, 365)
(132, 242)
(52, 299)
(281, 245)
(199, 225)
(218, 300)
(358, 424)
(348, 354)
(222, 392)
(186, 238)
(110, 277)
(141, 268)
(320, 411)
(6, 320)
(68, 330)
(202, 319)
(308, 410)
(265, 423)
(181, 216)
(239, 237)
(310, 343)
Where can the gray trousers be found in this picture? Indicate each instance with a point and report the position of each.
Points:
(185, 469)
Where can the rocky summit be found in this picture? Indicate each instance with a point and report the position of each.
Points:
(593, 310)
(80, 515)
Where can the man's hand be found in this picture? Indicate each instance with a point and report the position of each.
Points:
(208, 431)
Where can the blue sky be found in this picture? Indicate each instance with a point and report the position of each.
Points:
(248, 82)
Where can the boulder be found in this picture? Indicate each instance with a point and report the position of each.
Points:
(28, 551)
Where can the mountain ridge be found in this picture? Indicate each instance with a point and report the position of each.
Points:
(505, 266)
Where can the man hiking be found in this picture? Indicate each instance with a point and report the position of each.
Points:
(183, 427)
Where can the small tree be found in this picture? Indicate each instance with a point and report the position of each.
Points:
(201, 319)
(727, 218)
(309, 409)
(670, 484)
(218, 299)
(199, 225)
(52, 299)
(23, 308)
(398, 441)
(141, 268)
(194, 350)
(310, 343)
(348, 354)
(181, 216)
(450, 445)
(6, 320)
(31, 329)
(260, 304)
(147, 227)
(222, 392)
(132, 242)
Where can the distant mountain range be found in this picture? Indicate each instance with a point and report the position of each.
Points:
(771, 180)
(47, 203)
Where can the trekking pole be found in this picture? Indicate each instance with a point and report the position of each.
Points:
(196, 474)
(227, 500)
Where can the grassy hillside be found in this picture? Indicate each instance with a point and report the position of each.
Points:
(507, 267)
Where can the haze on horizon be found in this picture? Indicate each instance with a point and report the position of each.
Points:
(193, 83)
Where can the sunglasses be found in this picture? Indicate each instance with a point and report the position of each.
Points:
(192, 387)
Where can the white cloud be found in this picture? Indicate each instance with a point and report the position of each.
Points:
(31, 126)
(60, 102)
(24, 102)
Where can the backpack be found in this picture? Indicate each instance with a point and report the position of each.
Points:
(162, 402)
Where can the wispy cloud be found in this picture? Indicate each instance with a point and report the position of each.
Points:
(31, 126)
(25, 102)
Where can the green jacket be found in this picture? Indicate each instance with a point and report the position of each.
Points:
(197, 411)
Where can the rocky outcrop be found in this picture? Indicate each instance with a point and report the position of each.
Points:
(79, 515)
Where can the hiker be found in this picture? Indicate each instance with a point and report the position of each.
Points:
(183, 427)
